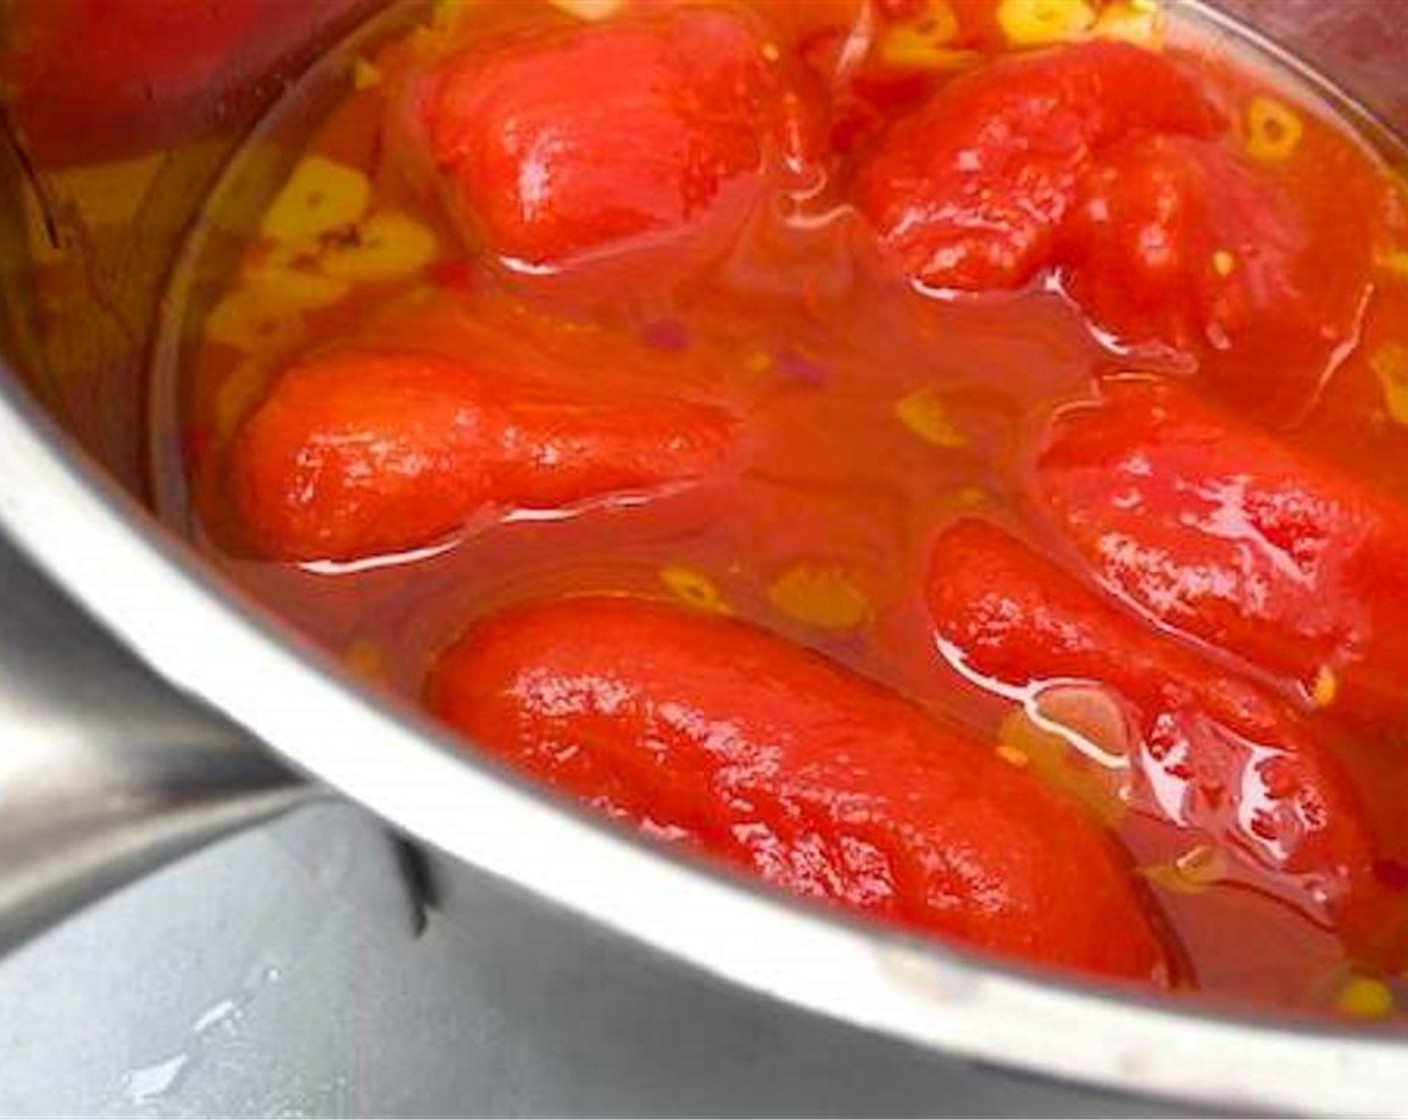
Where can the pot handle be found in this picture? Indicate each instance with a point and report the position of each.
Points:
(105, 771)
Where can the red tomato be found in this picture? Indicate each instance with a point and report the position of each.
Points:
(1206, 750)
(1143, 242)
(600, 136)
(1179, 242)
(91, 80)
(356, 454)
(726, 739)
(1220, 531)
(968, 191)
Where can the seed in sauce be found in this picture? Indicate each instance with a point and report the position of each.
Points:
(1273, 129)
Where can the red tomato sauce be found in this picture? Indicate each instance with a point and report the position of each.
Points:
(857, 327)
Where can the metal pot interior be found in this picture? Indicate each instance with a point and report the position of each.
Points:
(86, 250)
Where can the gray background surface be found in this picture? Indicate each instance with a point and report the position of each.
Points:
(278, 974)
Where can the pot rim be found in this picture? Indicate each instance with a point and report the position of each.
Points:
(201, 635)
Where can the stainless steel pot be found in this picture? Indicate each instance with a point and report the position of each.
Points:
(215, 715)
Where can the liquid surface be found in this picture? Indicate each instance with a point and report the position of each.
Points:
(878, 411)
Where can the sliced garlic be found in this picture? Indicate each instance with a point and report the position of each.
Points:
(1390, 365)
(320, 197)
(1029, 23)
(265, 313)
(387, 246)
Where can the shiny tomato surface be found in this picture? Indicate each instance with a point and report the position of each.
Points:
(723, 737)
(947, 459)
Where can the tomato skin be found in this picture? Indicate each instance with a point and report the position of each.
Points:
(1141, 248)
(356, 454)
(730, 741)
(601, 136)
(1177, 241)
(1220, 531)
(968, 191)
(1209, 751)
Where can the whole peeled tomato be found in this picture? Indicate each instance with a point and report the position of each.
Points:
(1180, 242)
(719, 736)
(358, 453)
(1233, 768)
(634, 131)
(1215, 529)
(968, 191)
